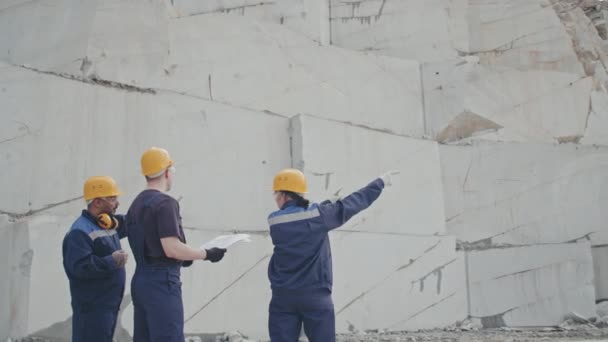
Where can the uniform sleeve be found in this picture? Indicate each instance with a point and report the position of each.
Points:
(168, 219)
(79, 260)
(336, 214)
(122, 227)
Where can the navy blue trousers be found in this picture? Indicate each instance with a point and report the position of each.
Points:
(95, 325)
(290, 310)
(158, 306)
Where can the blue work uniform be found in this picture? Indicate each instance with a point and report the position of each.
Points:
(156, 286)
(97, 284)
(300, 269)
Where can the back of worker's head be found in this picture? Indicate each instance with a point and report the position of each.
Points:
(300, 200)
(290, 184)
(157, 167)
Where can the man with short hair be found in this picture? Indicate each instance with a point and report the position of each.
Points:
(94, 263)
(159, 246)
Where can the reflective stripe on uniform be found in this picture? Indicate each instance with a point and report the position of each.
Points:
(101, 233)
(294, 217)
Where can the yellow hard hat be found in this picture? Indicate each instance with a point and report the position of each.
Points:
(290, 180)
(100, 186)
(155, 160)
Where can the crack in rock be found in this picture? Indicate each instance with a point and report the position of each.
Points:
(390, 275)
(363, 19)
(94, 80)
(226, 288)
(228, 10)
(36, 211)
(424, 309)
(438, 272)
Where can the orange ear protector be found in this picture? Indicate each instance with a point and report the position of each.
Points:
(106, 221)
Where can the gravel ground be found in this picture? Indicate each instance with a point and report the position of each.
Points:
(488, 335)
(578, 334)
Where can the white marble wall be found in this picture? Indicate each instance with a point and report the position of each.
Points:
(424, 30)
(337, 156)
(600, 259)
(237, 90)
(423, 275)
(535, 285)
(518, 194)
(14, 283)
(69, 127)
(399, 240)
(464, 98)
(235, 60)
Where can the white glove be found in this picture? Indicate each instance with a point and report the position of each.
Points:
(387, 177)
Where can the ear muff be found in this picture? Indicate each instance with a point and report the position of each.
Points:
(106, 221)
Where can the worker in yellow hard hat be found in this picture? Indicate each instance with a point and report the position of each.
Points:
(300, 269)
(94, 262)
(159, 246)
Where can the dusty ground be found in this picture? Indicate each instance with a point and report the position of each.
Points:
(490, 335)
(578, 334)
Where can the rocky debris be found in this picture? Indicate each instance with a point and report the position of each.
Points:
(597, 11)
(450, 334)
(470, 324)
(601, 320)
(602, 309)
(485, 335)
(233, 336)
(577, 318)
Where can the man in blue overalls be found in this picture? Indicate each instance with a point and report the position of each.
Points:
(300, 269)
(159, 246)
(94, 263)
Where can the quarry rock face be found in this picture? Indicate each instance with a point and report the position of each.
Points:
(496, 114)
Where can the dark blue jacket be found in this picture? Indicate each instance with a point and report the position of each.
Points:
(95, 280)
(302, 254)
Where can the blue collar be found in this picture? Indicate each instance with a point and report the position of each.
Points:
(86, 214)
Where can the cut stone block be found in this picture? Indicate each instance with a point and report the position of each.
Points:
(15, 280)
(464, 99)
(512, 193)
(278, 70)
(54, 143)
(428, 275)
(600, 268)
(120, 31)
(285, 73)
(424, 30)
(597, 123)
(396, 282)
(309, 17)
(218, 139)
(51, 33)
(521, 34)
(336, 156)
(88, 39)
(236, 287)
(533, 285)
(585, 36)
(50, 292)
